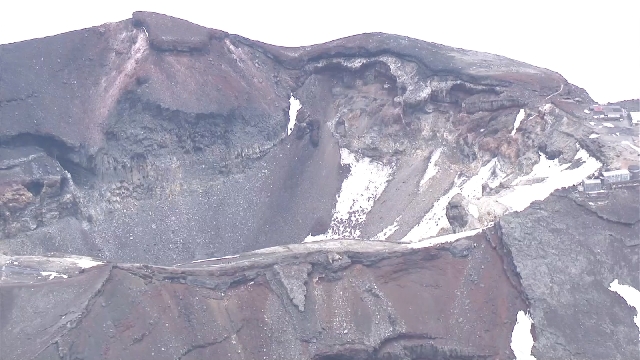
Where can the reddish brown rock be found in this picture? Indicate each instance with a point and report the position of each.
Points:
(359, 301)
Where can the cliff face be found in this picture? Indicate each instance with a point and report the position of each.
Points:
(340, 300)
(156, 141)
(568, 250)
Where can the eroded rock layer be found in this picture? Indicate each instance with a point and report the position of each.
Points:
(341, 300)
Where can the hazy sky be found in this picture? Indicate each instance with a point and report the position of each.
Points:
(594, 46)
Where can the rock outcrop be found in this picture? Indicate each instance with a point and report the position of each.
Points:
(340, 300)
(568, 250)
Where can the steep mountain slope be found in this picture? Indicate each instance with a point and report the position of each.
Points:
(159, 142)
(170, 140)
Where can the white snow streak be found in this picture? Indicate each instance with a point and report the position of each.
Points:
(608, 125)
(364, 185)
(443, 239)
(436, 218)
(432, 169)
(521, 338)
(294, 106)
(51, 275)
(632, 146)
(630, 295)
(555, 93)
(557, 176)
(388, 231)
(593, 136)
(218, 258)
(519, 118)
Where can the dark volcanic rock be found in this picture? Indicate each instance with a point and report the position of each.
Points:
(457, 213)
(567, 253)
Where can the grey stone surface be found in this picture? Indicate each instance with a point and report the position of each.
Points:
(294, 278)
(567, 255)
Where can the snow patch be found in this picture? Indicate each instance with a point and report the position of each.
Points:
(630, 295)
(83, 262)
(608, 125)
(51, 275)
(519, 118)
(521, 338)
(593, 136)
(632, 146)
(294, 106)
(388, 231)
(432, 168)
(362, 187)
(473, 210)
(556, 177)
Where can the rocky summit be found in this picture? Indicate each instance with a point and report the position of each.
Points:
(169, 191)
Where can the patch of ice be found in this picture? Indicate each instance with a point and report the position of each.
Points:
(442, 239)
(557, 176)
(388, 231)
(362, 187)
(51, 275)
(294, 106)
(521, 338)
(631, 146)
(432, 168)
(593, 136)
(519, 118)
(630, 295)
(608, 125)
(586, 111)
